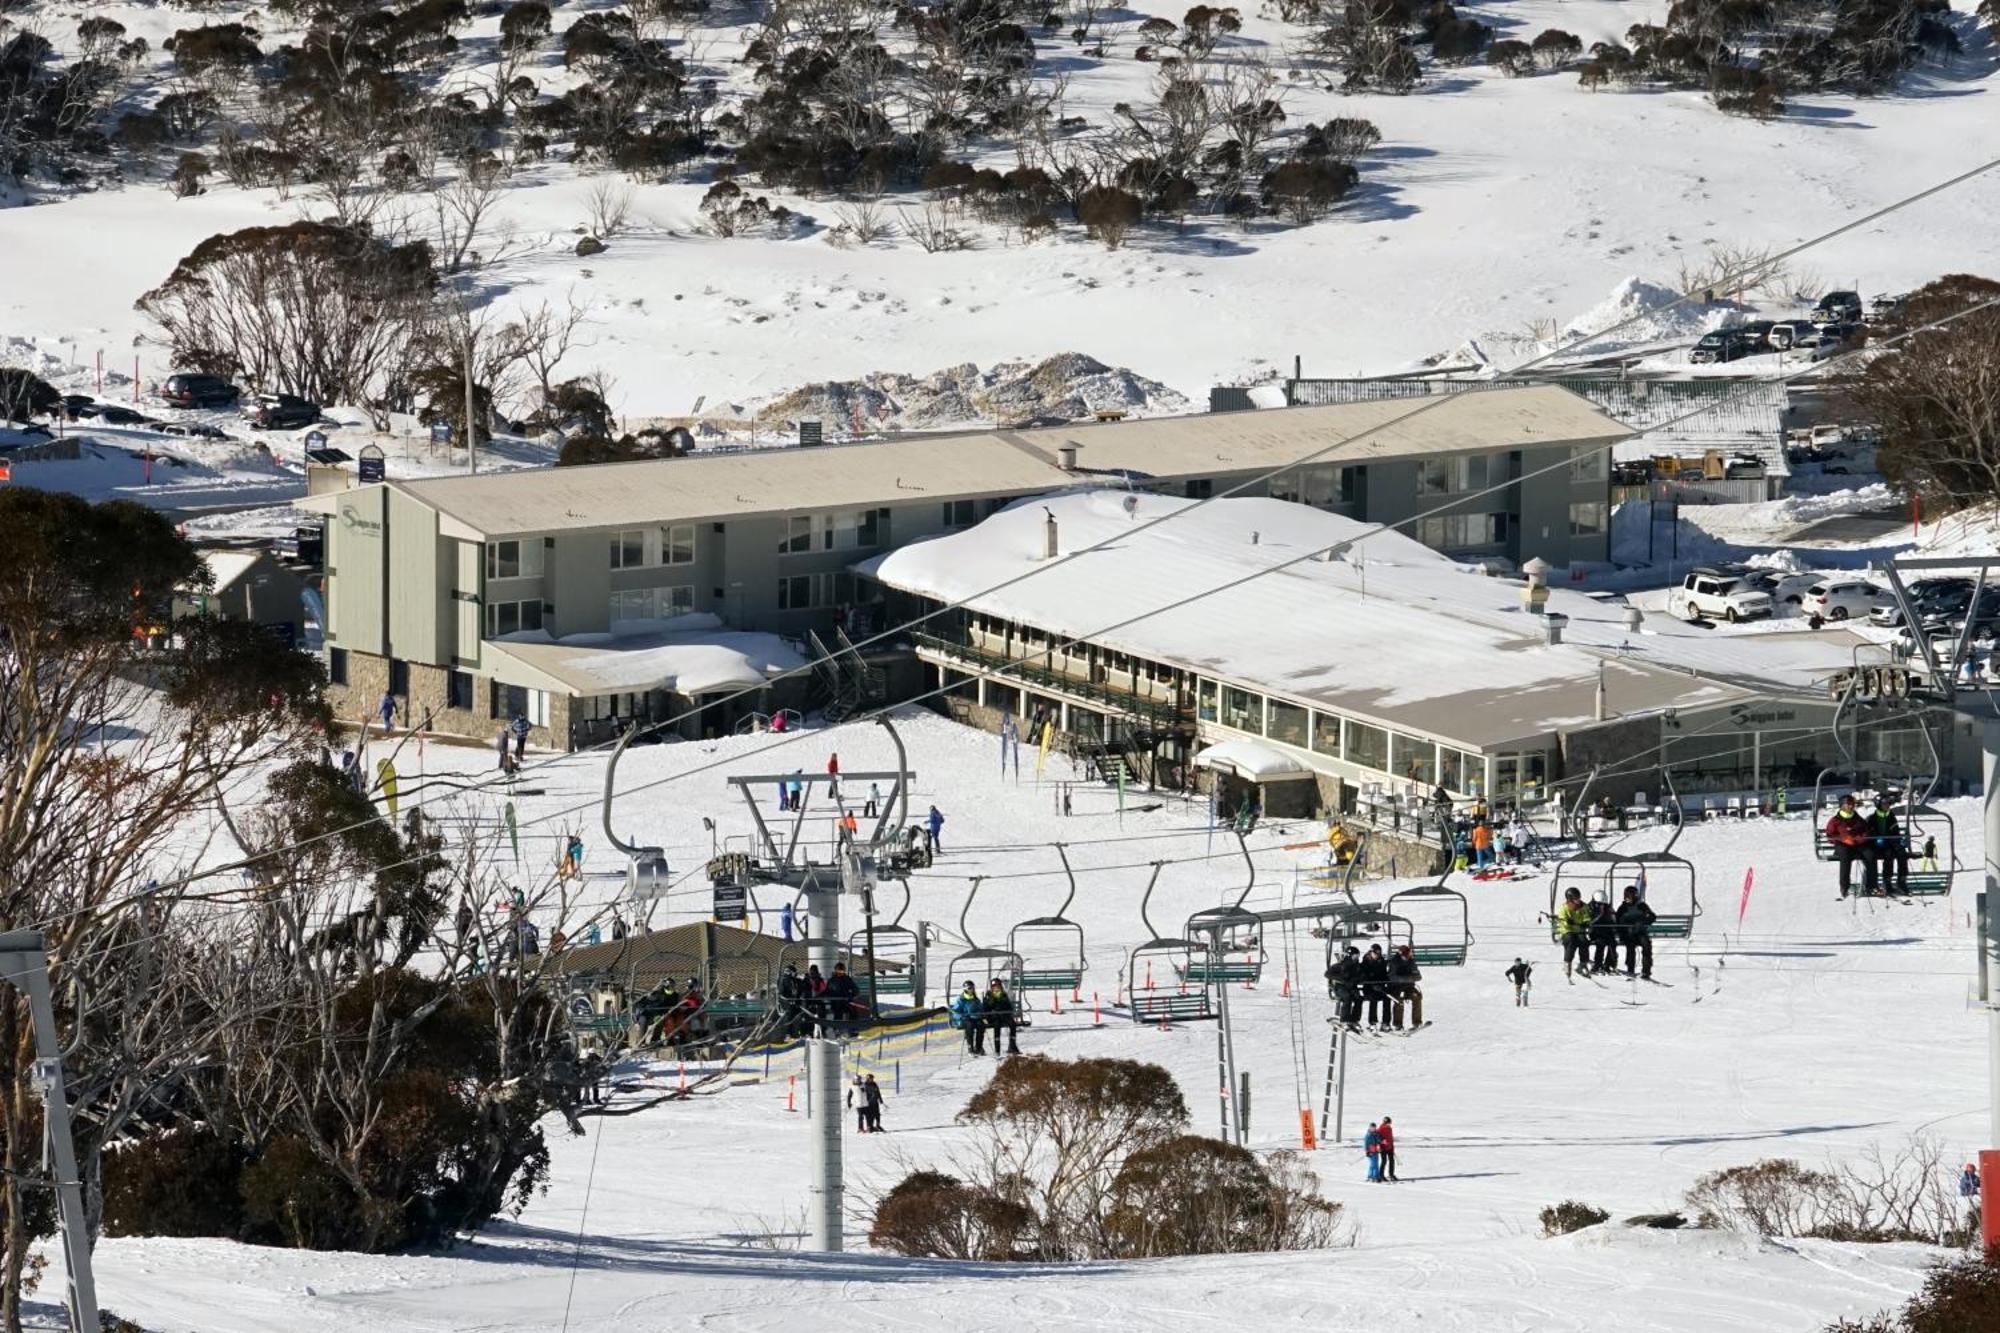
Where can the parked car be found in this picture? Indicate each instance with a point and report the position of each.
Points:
(1885, 307)
(1841, 307)
(280, 411)
(1839, 599)
(199, 391)
(77, 406)
(1783, 589)
(1930, 599)
(1788, 332)
(1727, 345)
(113, 415)
(191, 430)
(1718, 593)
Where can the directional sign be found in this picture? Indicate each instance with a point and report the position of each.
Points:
(371, 465)
(315, 439)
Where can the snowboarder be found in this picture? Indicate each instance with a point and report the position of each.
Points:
(934, 831)
(1573, 928)
(1890, 847)
(1371, 1143)
(871, 1103)
(1403, 989)
(1374, 972)
(999, 1013)
(1521, 974)
(966, 1014)
(1635, 924)
(1385, 1151)
(1848, 832)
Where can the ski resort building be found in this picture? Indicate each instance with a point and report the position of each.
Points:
(583, 598)
(1359, 669)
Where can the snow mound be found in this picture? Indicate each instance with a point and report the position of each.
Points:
(1651, 307)
(1068, 385)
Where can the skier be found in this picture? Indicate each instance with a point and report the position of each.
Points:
(1635, 924)
(871, 1103)
(857, 1097)
(1573, 927)
(999, 1011)
(833, 776)
(1344, 980)
(1521, 974)
(1929, 864)
(842, 997)
(934, 828)
(1375, 985)
(1520, 838)
(966, 1014)
(874, 800)
(1968, 1182)
(1385, 1152)
(785, 920)
(1482, 845)
(1848, 832)
(1891, 849)
(520, 729)
(1403, 978)
(1603, 934)
(1371, 1143)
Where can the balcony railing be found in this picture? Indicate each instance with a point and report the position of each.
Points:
(1032, 674)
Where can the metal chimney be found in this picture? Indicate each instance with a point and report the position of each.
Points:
(1066, 456)
(1050, 546)
(1553, 624)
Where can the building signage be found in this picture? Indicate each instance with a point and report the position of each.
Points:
(731, 902)
(440, 432)
(371, 463)
(351, 519)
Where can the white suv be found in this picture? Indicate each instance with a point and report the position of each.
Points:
(1709, 594)
(1840, 599)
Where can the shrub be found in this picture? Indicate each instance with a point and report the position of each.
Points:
(1457, 40)
(214, 46)
(1775, 1197)
(1559, 1219)
(1513, 58)
(929, 1215)
(1553, 48)
(1196, 1195)
(189, 173)
(1304, 189)
(1962, 1296)
(1107, 213)
(24, 394)
(180, 1183)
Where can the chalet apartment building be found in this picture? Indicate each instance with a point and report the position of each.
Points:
(540, 594)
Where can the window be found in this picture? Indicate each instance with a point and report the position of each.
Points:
(959, 514)
(802, 592)
(336, 666)
(1326, 734)
(1433, 476)
(503, 560)
(1587, 520)
(1451, 769)
(798, 535)
(458, 689)
(1459, 532)
(1368, 746)
(1414, 759)
(853, 530)
(1287, 723)
(1322, 485)
(512, 617)
(1199, 489)
(1205, 701)
(795, 593)
(1588, 466)
(538, 708)
(677, 544)
(652, 603)
(399, 678)
(1469, 474)
(628, 549)
(1242, 710)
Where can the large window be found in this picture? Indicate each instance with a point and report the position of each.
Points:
(652, 603)
(1287, 723)
(514, 559)
(1433, 476)
(803, 592)
(1469, 473)
(1522, 776)
(1463, 532)
(798, 535)
(1413, 758)
(1205, 695)
(1242, 709)
(1322, 484)
(852, 530)
(677, 544)
(1588, 466)
(1459, 771)
(628, 549)
(1587, 520)
(1326, 734)
(512, 617)
(458, 689)
(1368, 746)
(336, 666)
(959, 514)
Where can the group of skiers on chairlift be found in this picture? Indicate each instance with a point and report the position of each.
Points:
(1385, 982)
(1879, 842)
(1592, 932)
(996, 1012)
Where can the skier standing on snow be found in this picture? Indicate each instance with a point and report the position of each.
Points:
(1573, 927)
(1482, 846)
(934, 826)
(1385, 1152)
(1520, 838)
(871, 1103)
(1371, 1143)
(1521, 974)
(1848, 832)
(1635, 923)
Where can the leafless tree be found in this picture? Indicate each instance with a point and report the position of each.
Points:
(607, 207)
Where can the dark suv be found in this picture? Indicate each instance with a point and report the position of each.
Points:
(199, 391)
(1838, 308)
(280, 411)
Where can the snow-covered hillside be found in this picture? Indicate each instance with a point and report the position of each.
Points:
(1813, 1029)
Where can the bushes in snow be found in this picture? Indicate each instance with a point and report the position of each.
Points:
(1907, 1195)
(24, 394)
(1559, 1219)
(1935, 396)
(1962, 1296)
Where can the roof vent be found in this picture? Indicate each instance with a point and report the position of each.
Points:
(1066, 456)
(1049, 544)
(1552, 626)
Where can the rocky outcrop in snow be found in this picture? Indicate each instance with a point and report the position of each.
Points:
(1012, 393)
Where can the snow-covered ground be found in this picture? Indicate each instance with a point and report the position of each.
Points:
(1812, 1030)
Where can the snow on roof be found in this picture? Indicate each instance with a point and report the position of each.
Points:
(1391, 631)
(688, 655)
(1252, 760)
(951, 466)
(228, 566)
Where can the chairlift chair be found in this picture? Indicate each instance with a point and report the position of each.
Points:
(981, 966)
(1236, 952)
(741, 987)
(895, 944)
(1051, 947)
(1665, 880)
(1440, 923)
(1191, 1001)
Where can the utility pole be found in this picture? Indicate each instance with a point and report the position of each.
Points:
(24, 965)
(1989, 1160)
(471, 430)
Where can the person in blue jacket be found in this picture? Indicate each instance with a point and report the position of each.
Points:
(1371, 1143)
(967, 1015)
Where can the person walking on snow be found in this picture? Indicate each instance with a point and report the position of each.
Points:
(1371, 1143)
(966, 1012)
(520, 726)
(871, 1103)
(874, 800)
(934, 825)
(857, 1099)
(833, 777)
(1848, 832)
(1519, 839)
(1385, 1150)
(1521, 974)
(500, 744)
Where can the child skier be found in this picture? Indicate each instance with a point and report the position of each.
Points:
(1371, 1143)
(1521, 975)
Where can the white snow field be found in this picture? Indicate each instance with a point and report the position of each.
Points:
(1493, 207)
(1815, 1030)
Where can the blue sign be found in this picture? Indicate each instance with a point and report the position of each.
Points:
(315, 439)
(371, 469)
(440, 432)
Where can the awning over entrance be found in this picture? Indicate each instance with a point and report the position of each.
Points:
(1252, 762)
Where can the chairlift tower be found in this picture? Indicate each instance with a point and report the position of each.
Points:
(1958, 674)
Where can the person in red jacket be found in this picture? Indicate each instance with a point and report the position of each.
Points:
(1849, 835)
(1385, 1151)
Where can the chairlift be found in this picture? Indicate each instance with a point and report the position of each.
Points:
(895, 945)
(742, 986)
(1440, 923)
(1236, 936)
(1665, 880)
(981, 966)
(1051, 947)
(1183, 957)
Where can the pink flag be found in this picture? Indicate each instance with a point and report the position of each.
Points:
(1749, 876)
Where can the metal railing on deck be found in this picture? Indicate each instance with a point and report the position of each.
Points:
(1025, 672)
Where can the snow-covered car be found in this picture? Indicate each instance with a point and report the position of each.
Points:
(1713, 594)
(1783, 589)
(1838, 308)
(1840, 599)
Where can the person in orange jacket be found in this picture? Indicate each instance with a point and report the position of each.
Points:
(1849, 834)
(1482, 845)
